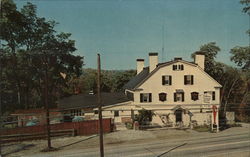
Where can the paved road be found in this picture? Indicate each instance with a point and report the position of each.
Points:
(235, 145)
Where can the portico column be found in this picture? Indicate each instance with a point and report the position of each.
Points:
(217, 120)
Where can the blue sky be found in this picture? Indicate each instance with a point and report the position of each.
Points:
(124, 30)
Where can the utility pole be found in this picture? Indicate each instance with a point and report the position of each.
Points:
(1, 118)
(47, 107)
(163, 42)
(99, 104)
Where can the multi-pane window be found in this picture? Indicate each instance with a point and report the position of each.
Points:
(210, 94)
(179, 96)
(178, 67)
(188, 79)
(116, 113)
(145, 97)
(166, 80)
(76, 112)
(163, 96)
(194, 96)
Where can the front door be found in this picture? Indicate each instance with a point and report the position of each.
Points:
(178, 115)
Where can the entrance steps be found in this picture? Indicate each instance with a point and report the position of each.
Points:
(120, 126)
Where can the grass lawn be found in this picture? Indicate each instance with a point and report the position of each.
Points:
(202, 128)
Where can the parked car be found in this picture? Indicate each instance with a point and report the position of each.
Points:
(77, 119)
(32, 123)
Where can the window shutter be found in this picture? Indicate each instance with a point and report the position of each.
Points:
(182, 97)
(175, 97)
(163, 80)
(185, 79)
(213, 96)
(192, 79)
(150, 97)
(182, 67)
(170, 80)
(141, 97)
(174, 67)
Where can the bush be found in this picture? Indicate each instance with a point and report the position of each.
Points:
(129, 125)
(144, 116)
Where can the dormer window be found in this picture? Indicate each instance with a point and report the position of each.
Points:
(178, 67)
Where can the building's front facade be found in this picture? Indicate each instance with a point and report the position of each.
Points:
(177, 91)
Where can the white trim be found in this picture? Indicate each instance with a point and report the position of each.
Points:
(114, 105)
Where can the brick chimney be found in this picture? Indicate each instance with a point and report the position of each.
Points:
(153, 61)
(139, 65)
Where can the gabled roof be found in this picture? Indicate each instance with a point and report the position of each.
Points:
(163, 65)
(145, 74)
(137, 79)
(82, 101)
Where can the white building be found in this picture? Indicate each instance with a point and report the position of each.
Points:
(177, 91)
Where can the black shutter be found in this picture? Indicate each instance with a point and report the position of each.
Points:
(174, 67)
(170, 80)
(213, 95)
(182, 96)
(182, 67)
(163, 80)
(141, 97)
(150, 97)
(185, 79)
(175, 97)
(192, 79)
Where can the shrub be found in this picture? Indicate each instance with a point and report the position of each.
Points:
(129, 125)
(144, 116)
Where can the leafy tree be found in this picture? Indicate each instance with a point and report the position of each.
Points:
(213, 68)
(111, 80)
(246, 9)
(236, 82)
(241, 56)
(122, 77)
(30, 48)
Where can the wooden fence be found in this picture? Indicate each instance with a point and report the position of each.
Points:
(69, 128)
